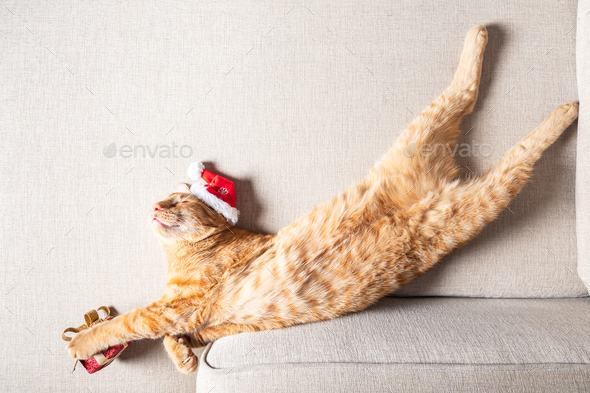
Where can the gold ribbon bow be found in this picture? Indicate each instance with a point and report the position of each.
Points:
(90, 317)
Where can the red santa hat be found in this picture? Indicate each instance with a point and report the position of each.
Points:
(215, 191)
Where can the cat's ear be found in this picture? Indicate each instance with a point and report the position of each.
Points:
(182, 187)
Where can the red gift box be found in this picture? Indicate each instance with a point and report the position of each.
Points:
(106, 357)
(101, 360)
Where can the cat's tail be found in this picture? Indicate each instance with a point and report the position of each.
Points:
(469, 206)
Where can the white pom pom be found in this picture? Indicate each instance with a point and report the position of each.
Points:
(195, 170)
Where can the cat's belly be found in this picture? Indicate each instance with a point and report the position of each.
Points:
(299, 285)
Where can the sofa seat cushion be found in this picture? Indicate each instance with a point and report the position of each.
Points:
(442, 340)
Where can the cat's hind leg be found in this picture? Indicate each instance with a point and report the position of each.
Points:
(464, 208)
(422, 157)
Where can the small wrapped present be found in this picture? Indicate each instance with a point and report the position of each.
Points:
(106, 357)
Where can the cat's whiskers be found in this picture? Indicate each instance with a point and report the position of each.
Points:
(165, 221)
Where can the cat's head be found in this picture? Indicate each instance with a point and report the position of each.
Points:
(182, 216)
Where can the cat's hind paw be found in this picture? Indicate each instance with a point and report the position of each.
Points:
(477, 37)
(567, 112)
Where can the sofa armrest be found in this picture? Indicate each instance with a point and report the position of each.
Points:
(583, 148)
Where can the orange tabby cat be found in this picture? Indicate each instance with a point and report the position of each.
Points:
(378, 235)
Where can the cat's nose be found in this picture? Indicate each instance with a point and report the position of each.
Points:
(156, 207)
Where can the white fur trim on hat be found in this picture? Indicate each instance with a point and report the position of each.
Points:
(195, 170)
(230, 213)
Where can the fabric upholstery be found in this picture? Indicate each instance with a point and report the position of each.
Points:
(583, 148)
(293, 103)
(376, 378)
(415, 344)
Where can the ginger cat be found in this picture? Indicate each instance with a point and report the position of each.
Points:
(344, 255)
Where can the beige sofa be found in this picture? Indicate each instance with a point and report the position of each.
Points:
(293, 102)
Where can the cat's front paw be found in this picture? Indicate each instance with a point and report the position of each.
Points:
(83, 345)
(189, 365)
(181, 353)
